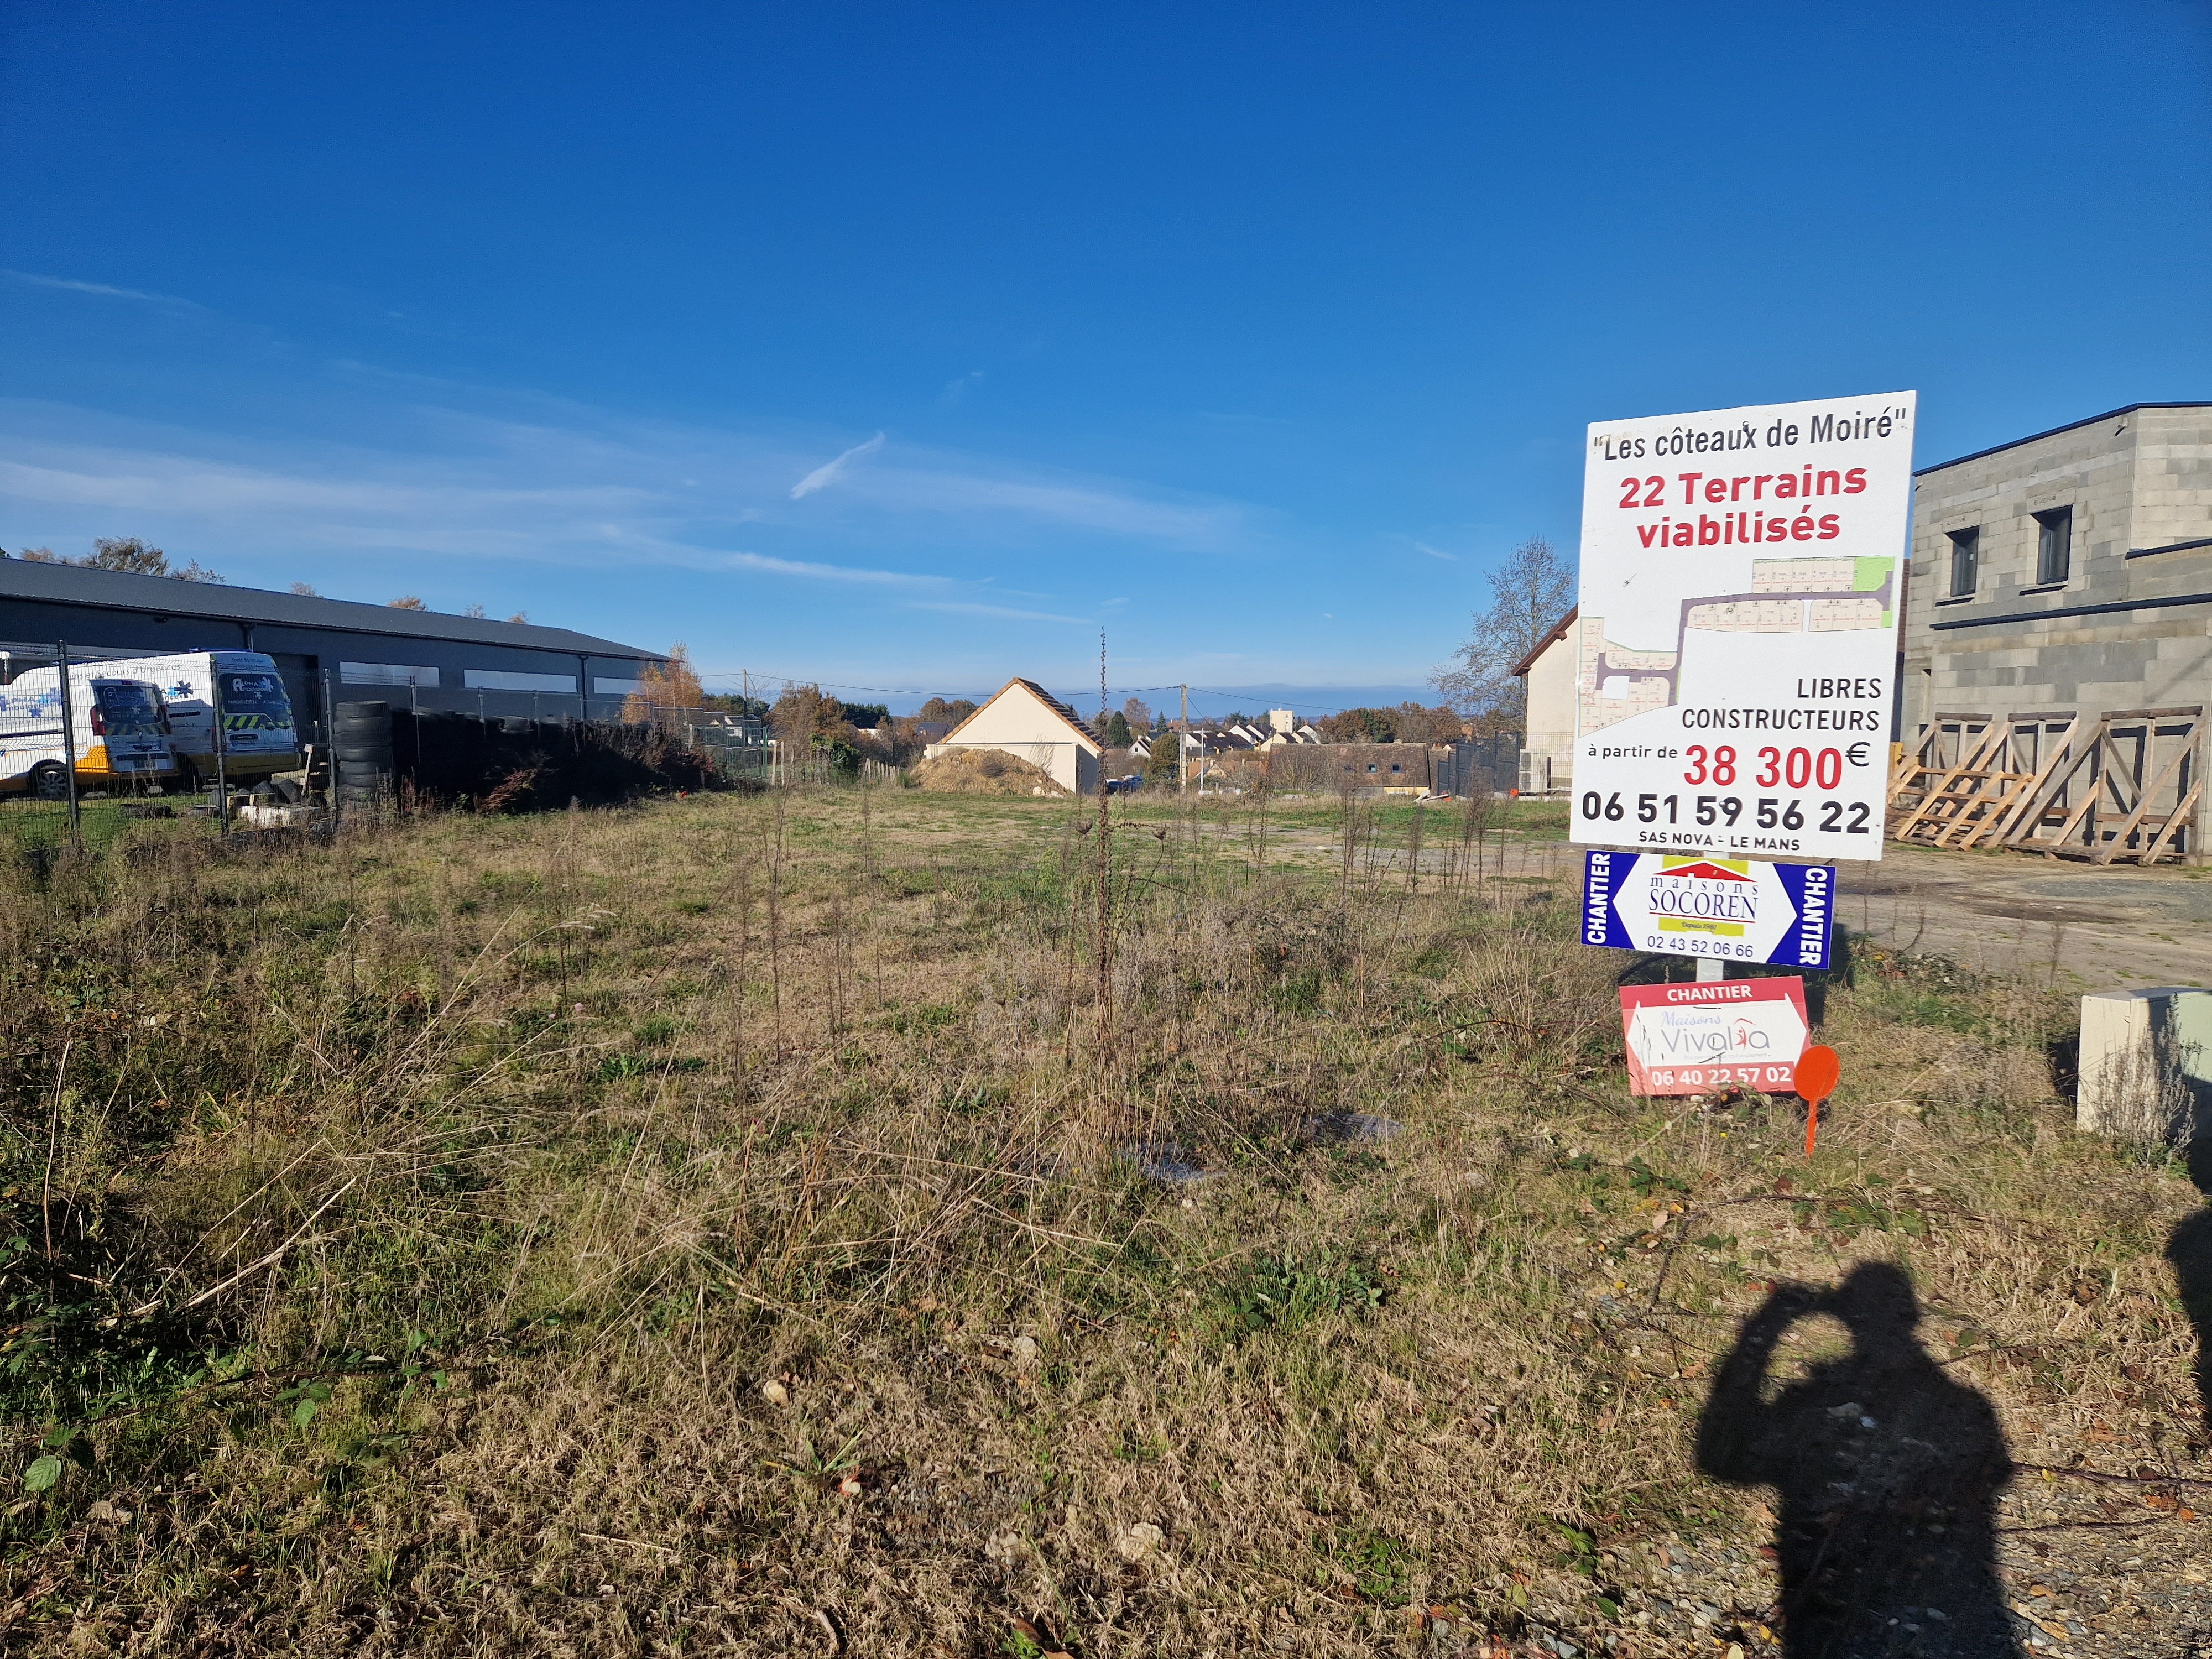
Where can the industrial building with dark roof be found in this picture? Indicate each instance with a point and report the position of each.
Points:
(329, 651)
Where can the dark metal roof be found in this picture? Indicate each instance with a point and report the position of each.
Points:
(2014, 443)
(167, 596)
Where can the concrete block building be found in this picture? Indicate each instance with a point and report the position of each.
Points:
(2069, 570)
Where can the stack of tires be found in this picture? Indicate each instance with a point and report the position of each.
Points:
(363, 746)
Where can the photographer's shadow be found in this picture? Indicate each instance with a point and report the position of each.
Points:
(1888, 1472)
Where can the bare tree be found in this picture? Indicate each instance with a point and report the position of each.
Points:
(664, 685)
(128, 554)
(1407, 723)
(1529, 594)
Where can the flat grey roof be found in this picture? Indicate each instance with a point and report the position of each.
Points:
(2013, 443)
(119, 590)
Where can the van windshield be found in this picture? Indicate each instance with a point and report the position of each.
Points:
(262, 696)
(128, 709)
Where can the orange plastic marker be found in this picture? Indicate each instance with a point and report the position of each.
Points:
(1818, 1068)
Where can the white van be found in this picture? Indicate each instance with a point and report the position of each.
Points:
(118, 730)
(259, 735)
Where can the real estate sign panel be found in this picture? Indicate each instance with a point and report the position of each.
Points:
(1692, 904)
(1689, 1039)
(1741, 575)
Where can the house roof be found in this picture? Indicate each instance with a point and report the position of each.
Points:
(169, 596)
(1559, 632)
(1054, 703)
(2013, 443)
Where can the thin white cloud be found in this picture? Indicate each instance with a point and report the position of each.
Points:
(968, 608)
(567, 486)
(827, 474)
(1436, 553)
(183, 483)
(102, 290)
(956, 390)
(1089, 506)
(831, 573)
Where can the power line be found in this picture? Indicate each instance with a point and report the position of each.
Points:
(978, 696)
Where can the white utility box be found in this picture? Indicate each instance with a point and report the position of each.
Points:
(2146, 1064)
(276, 817)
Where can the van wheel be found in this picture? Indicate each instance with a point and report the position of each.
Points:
(49, 781)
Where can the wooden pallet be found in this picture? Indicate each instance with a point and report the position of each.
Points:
(1955, 804)
(1926, 767)
(2128, 793)
(2035, 748)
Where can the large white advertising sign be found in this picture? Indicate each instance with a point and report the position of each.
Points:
(1736, 641)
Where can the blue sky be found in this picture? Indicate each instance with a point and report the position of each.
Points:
(904, 347)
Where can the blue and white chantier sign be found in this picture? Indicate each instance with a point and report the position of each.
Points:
(1736, 909)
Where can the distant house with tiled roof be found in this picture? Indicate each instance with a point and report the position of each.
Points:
(1026, 721)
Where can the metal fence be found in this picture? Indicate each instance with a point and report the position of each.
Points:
(74, 805)
(1484, 766)
(38, 830)
(742, 747)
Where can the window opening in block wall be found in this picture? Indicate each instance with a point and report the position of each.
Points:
(2054, 544)
(1965, 560)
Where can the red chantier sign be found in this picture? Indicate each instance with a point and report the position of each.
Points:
(1689, 1039)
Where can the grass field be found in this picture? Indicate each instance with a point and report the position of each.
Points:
(788, 1223)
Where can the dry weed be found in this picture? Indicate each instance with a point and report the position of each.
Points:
(717, 1226)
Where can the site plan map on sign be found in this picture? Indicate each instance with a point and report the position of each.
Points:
(1736, 636)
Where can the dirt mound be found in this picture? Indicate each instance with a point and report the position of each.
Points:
(984, 772)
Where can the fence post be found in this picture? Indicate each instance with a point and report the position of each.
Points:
(331, 742)
(69, 739)
(222, 775)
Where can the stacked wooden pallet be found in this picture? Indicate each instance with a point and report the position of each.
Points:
(2123, 786)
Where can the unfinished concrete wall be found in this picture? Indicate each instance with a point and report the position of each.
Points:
(2137, 481)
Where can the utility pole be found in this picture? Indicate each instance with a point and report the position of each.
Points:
(1105, 976)
(1180, 740)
